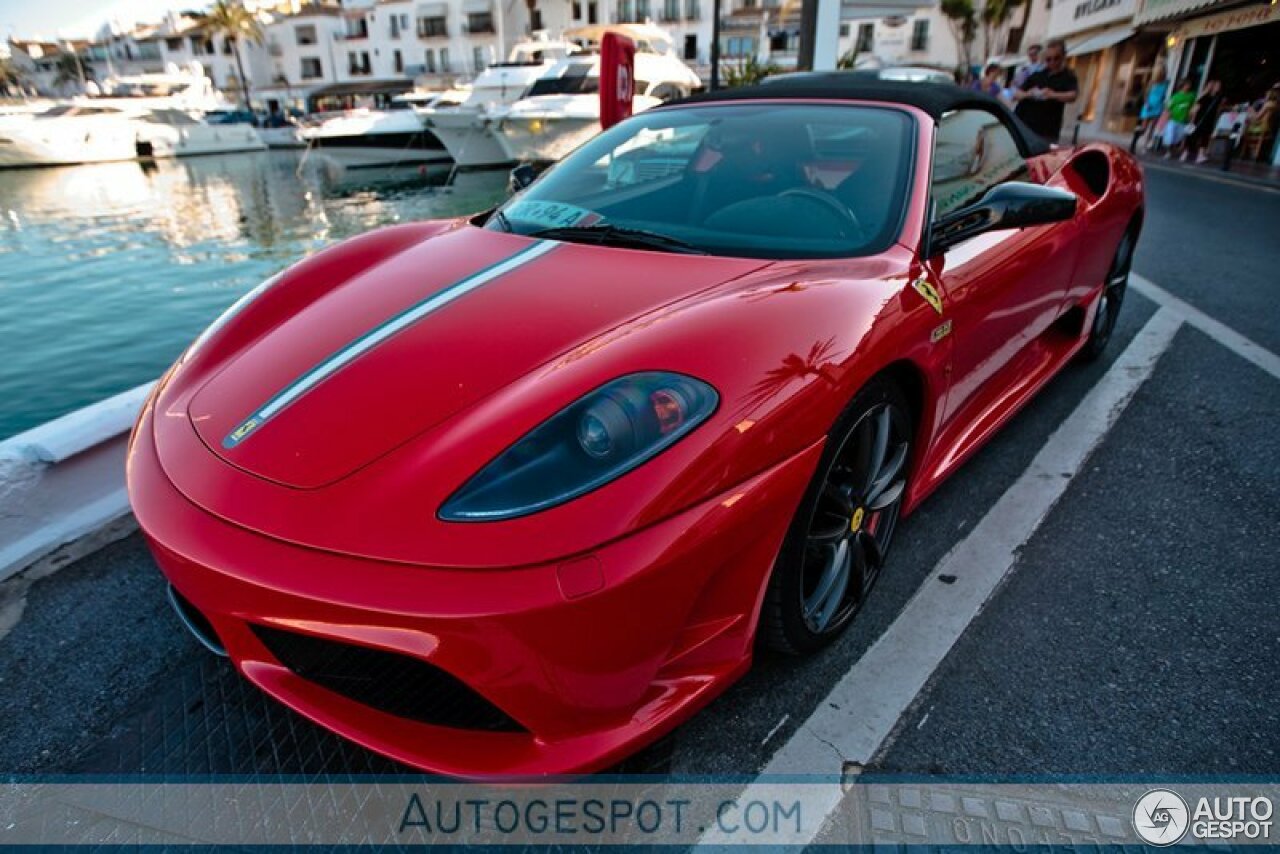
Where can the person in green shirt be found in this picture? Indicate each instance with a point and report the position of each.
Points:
(1179, 121)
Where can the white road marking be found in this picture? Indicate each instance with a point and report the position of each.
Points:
(1220, 332)
(775, 729)
(854, 720)
(1235, 179)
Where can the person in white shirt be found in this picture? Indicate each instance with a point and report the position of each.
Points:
(1031, 66)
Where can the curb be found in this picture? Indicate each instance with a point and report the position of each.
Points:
(64, 480)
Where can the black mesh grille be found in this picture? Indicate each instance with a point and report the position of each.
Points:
(387, 681)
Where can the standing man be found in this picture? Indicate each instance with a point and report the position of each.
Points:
(1043, 96)
(1031, 66)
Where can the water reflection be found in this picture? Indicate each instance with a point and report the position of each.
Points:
(107, 271)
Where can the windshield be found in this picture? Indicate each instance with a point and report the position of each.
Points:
(749, 180)
(576, 79)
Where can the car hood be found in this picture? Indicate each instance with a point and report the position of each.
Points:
(419, 336)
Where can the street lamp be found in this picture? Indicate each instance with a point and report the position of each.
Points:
(715, 45)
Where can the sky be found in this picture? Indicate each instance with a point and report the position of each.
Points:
(78, 18)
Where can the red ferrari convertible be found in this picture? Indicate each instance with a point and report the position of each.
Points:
(517, 494)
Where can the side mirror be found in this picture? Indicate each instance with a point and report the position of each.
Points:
(1014, 204)
(521, 176)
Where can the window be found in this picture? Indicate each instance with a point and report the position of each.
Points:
(358, 63)
(691, 47)
(305, 34)
(625, 14)
(480, 22)
(972, 152)
(535, 20)
(397, 61)
(577, 10)
(201, 46)
(227, 46)
(173, 44)
(429, 61)
(593, 13)
(692, 10)
(357, 28)
(429, 28)
(866, 38)
(642, 10)
(311, 68)
(479, 58)
(920, 34)
(844, 31)
(778, 42)
(762, 181)
(575, 79)
(445, 68)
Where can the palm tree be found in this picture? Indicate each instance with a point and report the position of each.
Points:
(962, 18)
(236, 24)
(69, 69)
(995, 14)
(11, 76)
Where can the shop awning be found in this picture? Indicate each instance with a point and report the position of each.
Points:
(1159, 10)
(471, 7)
(1101, 41)
(433, 10)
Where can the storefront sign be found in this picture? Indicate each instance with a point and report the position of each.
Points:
(1225, 22)
(1156, 10)
(1069, 17)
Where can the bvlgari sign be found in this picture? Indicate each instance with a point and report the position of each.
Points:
(1070, 17)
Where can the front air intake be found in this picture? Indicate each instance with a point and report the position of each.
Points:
(397, 684)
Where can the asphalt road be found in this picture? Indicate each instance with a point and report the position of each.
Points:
(1135, 634)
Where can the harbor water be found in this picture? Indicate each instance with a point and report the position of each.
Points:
(108, 271)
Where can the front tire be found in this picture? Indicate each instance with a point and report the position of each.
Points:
(838, 540)
(1109, 302)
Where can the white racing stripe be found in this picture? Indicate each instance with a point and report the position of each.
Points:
(381, 333)
(853, 721)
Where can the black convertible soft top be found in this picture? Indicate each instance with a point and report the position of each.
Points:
(936, 99)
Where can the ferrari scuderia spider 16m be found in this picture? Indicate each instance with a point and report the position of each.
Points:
(516, 494)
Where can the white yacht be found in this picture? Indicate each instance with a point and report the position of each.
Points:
(171, 132)
(364, 138)
(562, 108)
(469, 130)
(67, 134)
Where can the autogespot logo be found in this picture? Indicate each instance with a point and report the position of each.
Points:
(1160, 817)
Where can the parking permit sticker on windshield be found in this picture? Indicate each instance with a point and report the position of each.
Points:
(552, 214)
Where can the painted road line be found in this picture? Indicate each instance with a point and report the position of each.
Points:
(1220, 332)
(856, 718)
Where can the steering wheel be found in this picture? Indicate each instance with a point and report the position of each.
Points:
(849, 223)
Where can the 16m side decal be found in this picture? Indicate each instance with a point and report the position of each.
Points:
(377, 335)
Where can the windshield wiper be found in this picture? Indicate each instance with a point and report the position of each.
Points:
(613, 235)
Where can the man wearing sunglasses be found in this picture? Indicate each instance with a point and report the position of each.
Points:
(1043, 97)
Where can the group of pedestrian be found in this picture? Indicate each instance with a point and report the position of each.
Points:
(1183, 124)
(1039, 90)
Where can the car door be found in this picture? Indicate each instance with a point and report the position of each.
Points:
(1002, 289)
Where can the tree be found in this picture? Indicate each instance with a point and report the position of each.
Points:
(11, 76)
(236, 24)
(69, 70)
(995, 14)
(962, 19)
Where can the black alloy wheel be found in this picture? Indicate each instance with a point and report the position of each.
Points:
(1108, 311)
(841, 535)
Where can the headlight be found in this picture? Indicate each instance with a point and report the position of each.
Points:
(601, 437)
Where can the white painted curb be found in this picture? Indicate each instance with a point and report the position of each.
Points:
(64, 480)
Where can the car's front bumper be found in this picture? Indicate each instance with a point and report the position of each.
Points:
(591, 657)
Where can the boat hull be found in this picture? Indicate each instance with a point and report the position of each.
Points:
(357, 151)
(470, 138)
(195, 140)
(28, 144)
(545, 138)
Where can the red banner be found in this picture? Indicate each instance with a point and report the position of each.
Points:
(617, 78)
